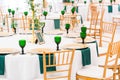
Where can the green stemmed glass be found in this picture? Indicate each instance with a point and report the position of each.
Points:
(83, 36)
(57, 41)
(67, 27)
(13, 12)
(9, 10)
(25, 13)
(22, 44)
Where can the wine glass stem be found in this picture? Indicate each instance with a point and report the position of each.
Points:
(83, 41)
(57, 47)
(22, 51)
(67, 31)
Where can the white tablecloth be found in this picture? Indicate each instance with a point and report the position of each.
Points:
(26, 67)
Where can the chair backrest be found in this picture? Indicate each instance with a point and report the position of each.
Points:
(25, 22)
(112, 57)
(107, 33)
(93, 23)
(62, 60)
(91, 9)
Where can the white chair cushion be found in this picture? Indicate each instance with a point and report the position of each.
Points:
(94, 72)
(103, 49)
(101, 61)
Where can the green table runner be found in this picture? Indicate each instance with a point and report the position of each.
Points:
(86, 56)
(2, 64)
(57, 23)
(47, 60)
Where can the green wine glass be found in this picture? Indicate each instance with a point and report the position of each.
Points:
(22, 44)
(57, 40)
(9, 11)
(83, 36)
(67, 27)
(25, 13)
(13, 12)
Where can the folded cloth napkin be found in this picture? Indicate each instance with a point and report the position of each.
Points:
(119, 7)
(81, 19)
(86, 56)
(2, 64)
(47, 60)
(57, 23)
(77, 9)
(110, 9)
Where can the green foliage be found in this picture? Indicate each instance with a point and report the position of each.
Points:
(67, 26)
(73, 10)
(62, 12)
(13, 24)
(111, 1)
(100, 1)
(85, 2)
(45, 13)
(65, 8)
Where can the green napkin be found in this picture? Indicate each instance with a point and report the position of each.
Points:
(119, 7)
(81, 19)
(57, 23)
(47, 60)
(110, 9)
(77, 9)
(86, 56)
(2, 64)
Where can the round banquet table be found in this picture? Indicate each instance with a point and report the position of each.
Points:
(26, 67)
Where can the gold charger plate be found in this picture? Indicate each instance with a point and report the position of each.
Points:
(72, 35)
(54, 32)
(4, 34)
(9, 51)
(39, 50)
(75, 46)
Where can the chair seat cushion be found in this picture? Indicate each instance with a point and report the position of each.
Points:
(102, 50)
(94, 72)
(101, 62)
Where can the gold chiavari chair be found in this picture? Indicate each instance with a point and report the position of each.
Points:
(91, 9)
(115, 49)
(102, 73)
(93, 30)
(59, 60)
(107, 35)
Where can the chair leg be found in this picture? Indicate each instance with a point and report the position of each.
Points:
(114, 76)
(77, 77)
(119, 73)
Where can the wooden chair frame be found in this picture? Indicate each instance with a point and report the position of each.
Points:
(59, 61)
(113, 50)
